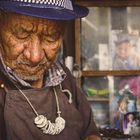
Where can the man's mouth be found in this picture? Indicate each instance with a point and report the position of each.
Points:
(32, 68)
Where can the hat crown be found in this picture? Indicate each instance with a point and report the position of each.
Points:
(64, 4)
(47, 9)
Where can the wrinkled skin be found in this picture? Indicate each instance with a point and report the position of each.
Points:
(29, 45)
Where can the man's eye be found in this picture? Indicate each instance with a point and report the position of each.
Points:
(21, 34)
(51, 37)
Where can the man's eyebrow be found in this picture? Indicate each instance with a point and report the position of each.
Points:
(26, 27)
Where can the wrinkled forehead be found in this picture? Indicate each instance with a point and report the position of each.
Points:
(13, 19)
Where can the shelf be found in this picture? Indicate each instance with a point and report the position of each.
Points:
(101, 99)
(105, 3)
(111, 73)
(95, 48)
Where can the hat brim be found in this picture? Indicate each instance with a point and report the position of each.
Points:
(47, 12)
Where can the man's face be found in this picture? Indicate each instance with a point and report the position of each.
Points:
(29, 45)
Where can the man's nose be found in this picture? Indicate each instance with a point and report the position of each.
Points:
(34, 52)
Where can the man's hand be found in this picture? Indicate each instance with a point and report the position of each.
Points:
(93, 137)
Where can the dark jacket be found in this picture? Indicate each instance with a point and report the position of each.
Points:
(16, 116)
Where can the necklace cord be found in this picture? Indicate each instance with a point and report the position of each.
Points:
(28, 101)
(67, 91)
(57, 102)
(56, 97)
(42, 122)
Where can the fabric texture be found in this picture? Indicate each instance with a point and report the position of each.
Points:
(64, 10)
(17, 116)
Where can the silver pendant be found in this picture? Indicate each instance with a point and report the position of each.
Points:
(48, 127)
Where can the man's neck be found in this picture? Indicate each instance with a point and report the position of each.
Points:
(37, 84)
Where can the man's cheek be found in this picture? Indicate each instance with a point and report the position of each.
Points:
(50, 54)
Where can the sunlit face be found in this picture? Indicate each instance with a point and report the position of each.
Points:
(123, 50)
(29, 45)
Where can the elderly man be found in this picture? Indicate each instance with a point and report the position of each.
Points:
(39, 99)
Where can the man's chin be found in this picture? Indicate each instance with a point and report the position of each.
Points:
(30, 77)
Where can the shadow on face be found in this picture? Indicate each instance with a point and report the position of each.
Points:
(29, 45)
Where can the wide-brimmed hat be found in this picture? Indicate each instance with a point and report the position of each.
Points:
(48, 9)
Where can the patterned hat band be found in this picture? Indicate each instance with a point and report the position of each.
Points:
(47, 9)
(65, 4)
